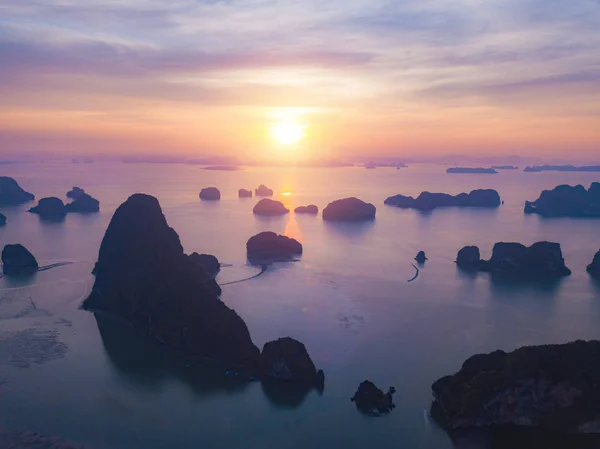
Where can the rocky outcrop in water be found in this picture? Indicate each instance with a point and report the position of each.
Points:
(421, 257)
(287, 360)
(243, 193)
(469, 258)
(553, 387)
(75, 193)
(429, 201)
(11, 193)
(2, 219)
(349, 209)
(84, 204)
(17, 260)
(144, 276)
(207, 262)
(471, 171)
(594, 267)
(567, 201)
(263, 191)
(371, 400)
(310, 210)
(540, 261)
(270, 207)
(210, 194)
(269, 245)
(50, 209)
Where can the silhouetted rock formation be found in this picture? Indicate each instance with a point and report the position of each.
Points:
(371, 400)
(471, 171)
(430, 201)
(11, 193)
(2, 219)
(287, 359)
(270, 207)
(311, 210)
(207, 262)
(349, 209)
(263, 191)
(553, 387)
(84, 204)
(567, 201)
(143, 275)
(541, 168)
(421, 257)
(210, 194)
(50, 209)
(594, 267)
(75, 193)
(469, 258)
(540, 261)
(268, 245)
(505, 167)
(16, 259)
(243, 193)
(222, 168)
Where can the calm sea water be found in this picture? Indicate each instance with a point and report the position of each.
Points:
(65, 373)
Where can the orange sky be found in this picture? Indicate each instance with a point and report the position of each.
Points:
(422, 78)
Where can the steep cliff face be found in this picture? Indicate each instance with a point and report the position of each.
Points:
(143, 275)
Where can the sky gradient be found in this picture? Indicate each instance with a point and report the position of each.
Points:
(398, 78)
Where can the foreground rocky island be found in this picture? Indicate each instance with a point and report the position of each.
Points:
(11, 193)
(567, 201)
(540, 261)
(17, 260)
(554, 388)
(144, 276)
(427, 201)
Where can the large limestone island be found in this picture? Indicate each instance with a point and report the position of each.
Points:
(552, 388)
(269, 246)
(540, 261)
(349, 209)
(567, 168)
(471, 171)
(428, 201)
(11, 193)
(144, 276)
(567, 201)
(270, 207)
(17, 260)
(51, 208)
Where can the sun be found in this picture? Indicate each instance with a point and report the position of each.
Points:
(287, 132)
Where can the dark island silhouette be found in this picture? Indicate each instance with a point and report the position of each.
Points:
(210, 194)
(243, 193)
(53, 209)
(564, 168)
(144, 276)
(2, 219)
(268, 246)
(552, 388)
(17, 260)
(75, 193)
(428, 201)
(471, 171)
(350, 210)
(371, 401)
(11, 193)
(540, 261)
(594, 268)
(308, 210)
(263, 191)
(269, 207)
(567, 201)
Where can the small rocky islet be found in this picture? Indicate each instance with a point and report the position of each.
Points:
(349, 210)
(210, 194)
(268, 207)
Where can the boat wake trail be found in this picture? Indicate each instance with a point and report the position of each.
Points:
(416, 274)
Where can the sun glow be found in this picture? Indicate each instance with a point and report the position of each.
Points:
(287, 132)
